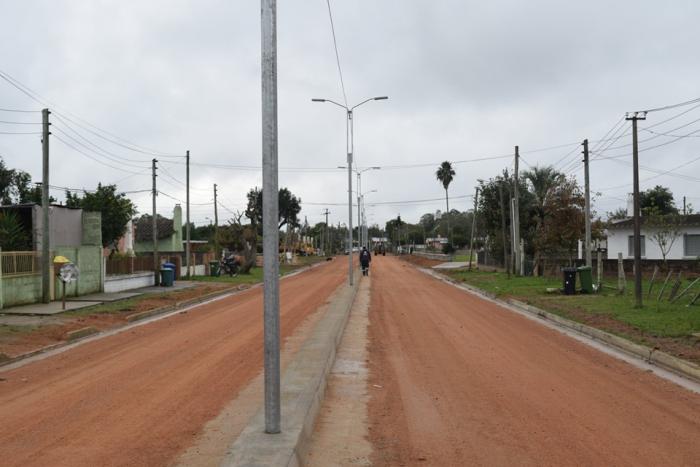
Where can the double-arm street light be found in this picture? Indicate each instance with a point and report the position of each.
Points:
(350, 147)
(359, 190)
(365, 234)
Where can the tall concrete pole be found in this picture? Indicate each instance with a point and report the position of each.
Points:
(188, 248)
(359, 215)
(216, 223)
(516, 213)
(349, 142)
(154, 193)
(471, 239)
(589, 259)
(637, 221)
(271, 307)
(45, 227)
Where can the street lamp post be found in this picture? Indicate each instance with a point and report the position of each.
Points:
(363, 223)
(350, 147)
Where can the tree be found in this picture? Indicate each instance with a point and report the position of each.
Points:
(617, 214)
(289, 208)
(543, 182)
(665, 229)
(445, 174)
(15, 187)
(658, 200)
(116, 210)
(13, 235)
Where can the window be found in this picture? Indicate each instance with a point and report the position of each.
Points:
(630, 245)
(691, 245)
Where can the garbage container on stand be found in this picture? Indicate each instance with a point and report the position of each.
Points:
(213, 268)
(166, 277)
(569, 281)
(170, 266)
(585, 275)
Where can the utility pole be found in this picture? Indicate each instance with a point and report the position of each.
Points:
(516, 213)
(188, 248)
(45, 227)
(271, 266)
(471, 239)
(154, 193)
(216, 224)
(359, 218)
(634, 117)
(324, 235)
(506, 263)
(684, 211)
(589, 259)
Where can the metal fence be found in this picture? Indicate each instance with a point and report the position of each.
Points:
(20, 263)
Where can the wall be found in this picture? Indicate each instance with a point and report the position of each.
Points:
(65, 226)
(21, 290)
(171, 244)
(129, 281)
(89, 262)
(617, 243)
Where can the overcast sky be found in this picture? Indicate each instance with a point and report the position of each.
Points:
(466, 80)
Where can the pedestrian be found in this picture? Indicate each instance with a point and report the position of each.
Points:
(365, 259)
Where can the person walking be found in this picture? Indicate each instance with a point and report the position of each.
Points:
(365, 259)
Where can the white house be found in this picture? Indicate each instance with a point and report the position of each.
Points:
(685, 246)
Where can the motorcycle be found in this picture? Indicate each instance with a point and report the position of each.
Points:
(230, 265)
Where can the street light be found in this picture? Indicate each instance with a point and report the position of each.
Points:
(359, 190)
(349, 143)
(364, 238)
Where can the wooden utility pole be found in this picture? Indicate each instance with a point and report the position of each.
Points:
(506, 263)
(684, 210)
(45, 226)
(471, 239)
(634, 117)
(154, 193)
(516, 211)
(589, 259)
(216, 225)
(188, 248)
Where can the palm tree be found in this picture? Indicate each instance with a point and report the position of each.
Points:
(543, 180)
(445, 174)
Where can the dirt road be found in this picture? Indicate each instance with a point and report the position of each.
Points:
(456, 380)
(140, 397)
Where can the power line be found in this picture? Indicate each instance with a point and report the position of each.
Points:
(45, 102)
(19, 123)
(673, 106)
(20, 111)
(118, 161)
(93, 158)
(20, 132)
(337, 56)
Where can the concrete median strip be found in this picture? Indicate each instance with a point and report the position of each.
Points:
(649, 355)
(303, 388)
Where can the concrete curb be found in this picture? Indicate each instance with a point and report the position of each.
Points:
(303, 389)
(649, 355)
(6, 361)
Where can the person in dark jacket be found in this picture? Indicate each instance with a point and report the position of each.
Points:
(365, 259)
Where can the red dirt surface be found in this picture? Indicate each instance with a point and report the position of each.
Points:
(142, 396)
(50, 334)
(456, 380)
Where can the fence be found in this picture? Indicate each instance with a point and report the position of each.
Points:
(20, 263)
(129, 265)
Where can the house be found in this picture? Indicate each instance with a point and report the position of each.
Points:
(169, 234)
(436, 243)
(685, 245)
(73, 233)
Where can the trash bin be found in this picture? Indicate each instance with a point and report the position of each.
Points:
(569, 281)
(213, 268)
(170, 266)
(166, 277)
(585, 275)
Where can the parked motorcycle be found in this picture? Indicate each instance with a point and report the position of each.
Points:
(230, 265)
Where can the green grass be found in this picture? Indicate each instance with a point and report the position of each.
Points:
(256, 274)
(119, 306)
(462, 258)
(9, 330)
(657, 319)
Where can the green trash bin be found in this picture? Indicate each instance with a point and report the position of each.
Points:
(585, 275)
(167, 276)
(213, 268)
